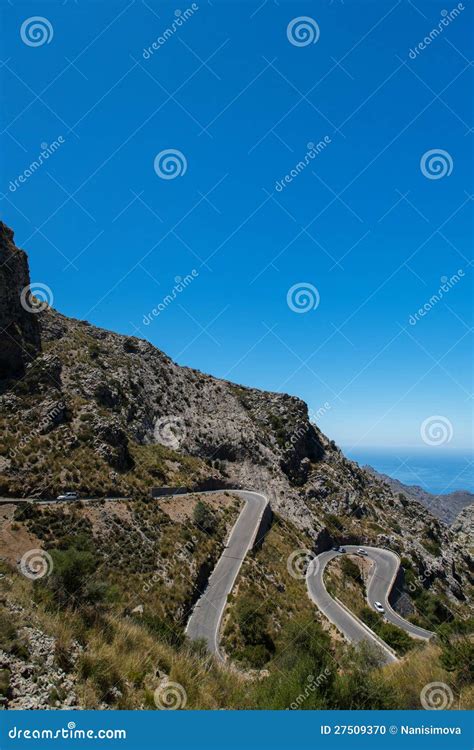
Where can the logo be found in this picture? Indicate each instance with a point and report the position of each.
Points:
(436, 430)
(302, 31)
(36, 297)
(298, 561)
(302, 297)
(36, 31)
(170, 696)
(436, 696)
(436, 164)
(36, 563)
(170, 164)
(170, 431)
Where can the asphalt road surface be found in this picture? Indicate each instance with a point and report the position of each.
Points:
(382, 577)
(206, 616)
(386, 564)
(54, 501)
(350, 626)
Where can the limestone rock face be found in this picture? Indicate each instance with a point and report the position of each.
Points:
(463, 526)
(19, 328)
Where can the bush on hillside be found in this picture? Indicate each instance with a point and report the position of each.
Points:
(350, 569)
(71, 581)
(204, 518)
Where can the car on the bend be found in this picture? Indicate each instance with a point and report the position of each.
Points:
(68, 496)
(362, 551)
(379, 607)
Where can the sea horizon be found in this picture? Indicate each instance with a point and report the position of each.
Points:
(438, 472)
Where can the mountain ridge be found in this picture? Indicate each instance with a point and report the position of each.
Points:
(111, 414)
(445, 506)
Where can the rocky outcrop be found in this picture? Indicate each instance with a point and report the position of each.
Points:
(37, 681)
(463, 526)
(112, 444)
(19, 327)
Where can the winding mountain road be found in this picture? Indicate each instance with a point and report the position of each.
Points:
(382, 577)
(379, 586)
(204, 622)
(206, 616)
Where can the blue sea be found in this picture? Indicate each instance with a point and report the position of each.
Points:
(436, 471)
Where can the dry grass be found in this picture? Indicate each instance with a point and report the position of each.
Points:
(409, 676)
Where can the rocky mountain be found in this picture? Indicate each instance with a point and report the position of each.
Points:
(19, 330)
(463, 526)
(86, 409)
(446, 507)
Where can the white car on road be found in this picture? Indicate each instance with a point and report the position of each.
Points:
(68, 496)
(379, 608)
(362, 551)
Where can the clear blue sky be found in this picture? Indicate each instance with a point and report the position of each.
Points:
(361, 222)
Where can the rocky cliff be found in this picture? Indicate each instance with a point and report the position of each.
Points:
(463, 527)
(19, 327)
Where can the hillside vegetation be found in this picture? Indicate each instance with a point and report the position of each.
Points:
(105, 628)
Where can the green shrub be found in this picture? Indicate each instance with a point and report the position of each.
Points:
(396, 638)
(252, 622)
(70, 580)
(458, 657)
(9, 640)
(393, 636)
(204, 518)
(159, 628)
(350, 569)
(304, 671)
(255, 656)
